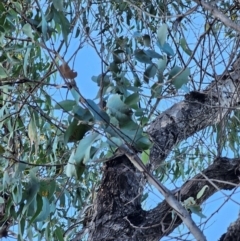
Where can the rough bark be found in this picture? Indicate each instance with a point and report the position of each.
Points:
(198, 111)
(117, 212)
(233, 232)
(119, 215)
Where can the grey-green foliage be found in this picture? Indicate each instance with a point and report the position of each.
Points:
(49, 145)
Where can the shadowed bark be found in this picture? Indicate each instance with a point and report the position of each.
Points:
(233, 232)
(117, 212)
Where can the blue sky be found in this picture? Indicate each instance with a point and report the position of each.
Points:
(87, 65)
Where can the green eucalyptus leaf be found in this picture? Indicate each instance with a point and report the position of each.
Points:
(44, 26)
(3, 72)
(186, 49)
(115, 142)
(26, 59)
(150, 72)
(98, 114)
(202, 191)
(59, 233)
(75, 95)
(166, 48)
(66, 105)
(117, 108)
(142, 57)
(85, 144)
(39, 207)
(145, 156)
(44, 211)
(152, 54)
(197, 210)
(143, 143)
(32, 190)
(132, 100)
(65, 25)
(114, 68)
(162, 34)
(27, 29)
(75, 131)
(161, 64)
(179, 76)
(33, 133)
(71, 166)
(58, 5)
(17, 193)
(117, 58)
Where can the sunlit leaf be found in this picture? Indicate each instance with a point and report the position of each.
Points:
(202, 191)
(197, 210)
(33, 133)
(71, 166)
(145, 156)
(27, 29)
(185, 47)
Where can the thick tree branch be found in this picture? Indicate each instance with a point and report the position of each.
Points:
(198, 111)
(117, 210)
(224, 173)
(168, 195)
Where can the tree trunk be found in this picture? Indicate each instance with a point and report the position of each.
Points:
(117, 212)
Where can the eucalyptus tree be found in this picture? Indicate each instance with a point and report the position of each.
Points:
(165, 115)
